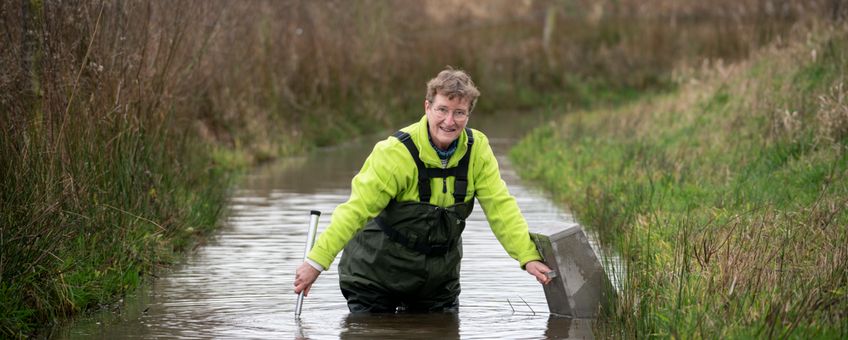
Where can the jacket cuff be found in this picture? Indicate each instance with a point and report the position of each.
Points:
(320, 258)
(530, 258)
(315, 265)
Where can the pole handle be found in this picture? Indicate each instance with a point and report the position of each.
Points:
(310, 241)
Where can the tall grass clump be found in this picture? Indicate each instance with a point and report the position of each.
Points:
(727, 199)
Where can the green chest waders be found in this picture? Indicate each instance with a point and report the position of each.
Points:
(409, 255)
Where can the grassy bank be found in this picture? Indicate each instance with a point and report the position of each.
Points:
(727, 199)
(79, 233)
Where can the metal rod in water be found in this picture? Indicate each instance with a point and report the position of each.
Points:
(310, 241)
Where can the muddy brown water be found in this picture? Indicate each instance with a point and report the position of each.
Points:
(239, 284)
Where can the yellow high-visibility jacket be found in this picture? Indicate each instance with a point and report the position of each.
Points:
(390, 172)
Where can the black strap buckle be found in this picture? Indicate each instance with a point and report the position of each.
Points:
(438, 249)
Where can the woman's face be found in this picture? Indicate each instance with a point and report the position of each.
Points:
(446, 118)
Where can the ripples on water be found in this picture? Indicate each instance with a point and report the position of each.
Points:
(239, 285)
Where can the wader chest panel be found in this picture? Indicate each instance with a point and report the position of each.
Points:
(411, 252)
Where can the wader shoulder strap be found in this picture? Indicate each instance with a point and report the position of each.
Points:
(460, 187)
(423, 179)
(460, 172)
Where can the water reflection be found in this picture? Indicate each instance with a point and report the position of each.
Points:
(400, 326)
(567, 328)
(239, 285)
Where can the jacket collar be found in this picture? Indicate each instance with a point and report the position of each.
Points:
(428, 154)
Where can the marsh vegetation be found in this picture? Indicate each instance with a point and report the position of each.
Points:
(124, 122)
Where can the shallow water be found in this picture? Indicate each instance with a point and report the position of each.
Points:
(239, 284)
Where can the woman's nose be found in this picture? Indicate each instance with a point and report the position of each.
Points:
(449, 118)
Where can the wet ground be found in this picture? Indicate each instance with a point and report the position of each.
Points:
(239, 284)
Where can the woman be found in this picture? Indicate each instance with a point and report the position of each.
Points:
(401, 227)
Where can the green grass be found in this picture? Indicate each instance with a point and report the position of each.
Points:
(728, 209)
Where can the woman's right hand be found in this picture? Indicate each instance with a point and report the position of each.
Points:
(304, 277)
(538, 269)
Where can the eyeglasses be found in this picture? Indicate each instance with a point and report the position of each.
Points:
(442, 112)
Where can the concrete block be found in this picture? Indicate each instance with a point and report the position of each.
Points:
(580, 284)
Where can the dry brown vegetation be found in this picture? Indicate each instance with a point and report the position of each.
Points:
(234, 67)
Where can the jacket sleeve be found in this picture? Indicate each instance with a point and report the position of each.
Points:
(371, 189)
(502, 212)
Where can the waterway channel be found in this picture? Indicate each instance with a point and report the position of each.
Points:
(239, 284)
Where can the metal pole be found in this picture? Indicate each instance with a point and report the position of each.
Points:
(310, 241)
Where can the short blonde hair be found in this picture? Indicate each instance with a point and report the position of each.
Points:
(452, 83)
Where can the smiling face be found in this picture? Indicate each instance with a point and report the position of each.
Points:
(446, 118)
